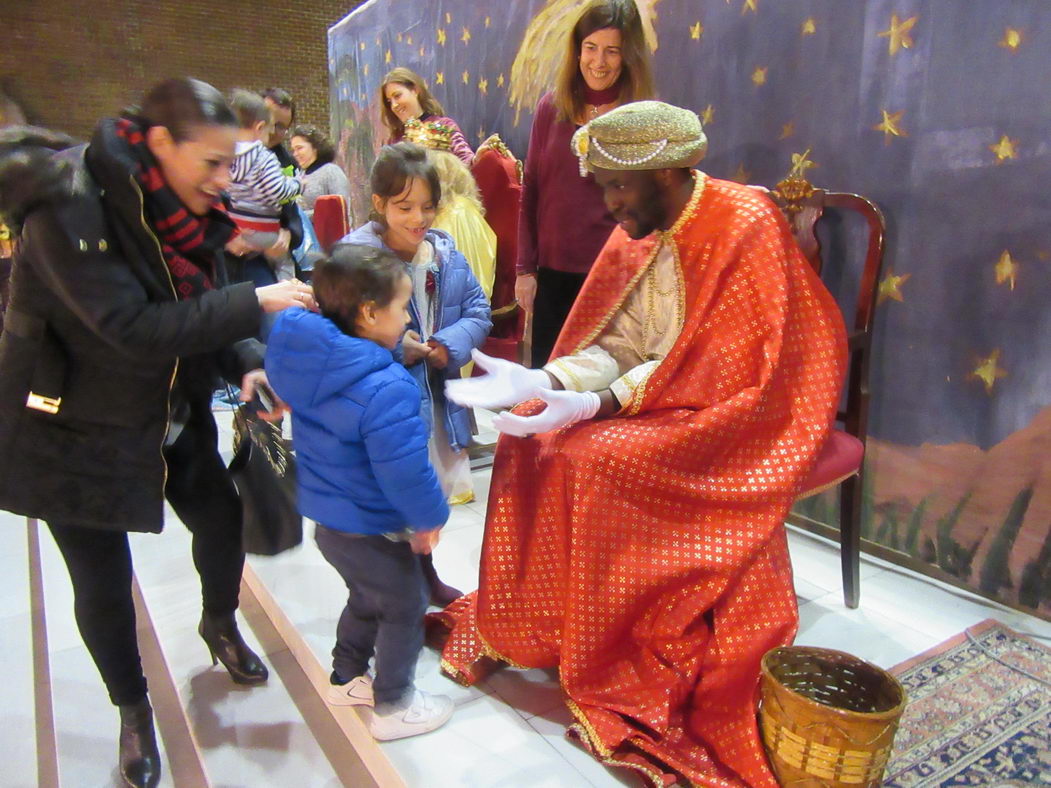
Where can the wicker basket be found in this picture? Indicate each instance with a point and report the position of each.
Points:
(827, 718)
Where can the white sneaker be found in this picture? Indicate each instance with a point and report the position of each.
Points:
(424, 713)
(356, 692)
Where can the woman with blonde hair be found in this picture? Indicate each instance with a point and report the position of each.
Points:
(404, 96)
(564, 222)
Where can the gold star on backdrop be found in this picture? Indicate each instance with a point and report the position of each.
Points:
(750, 5)
(448, 18)
(809, 27)
(466, 77)
(421, 51)
(365, 70)
(362, 46)
(890, 287)
(466, 36)
(800, 164)
(487, 22)
(708, 115)
(889, 126)
(989, 371)
(483, 87)
(759, 76)
(500, 81)
(1005, 149)
(787, 130)
(398, 38)
(408, 40)
(1006, 269)
(439, 78)
(741, 175)
(441, 36)
(899, 34)
(696, 30)
(1012, 39)
(387, 57)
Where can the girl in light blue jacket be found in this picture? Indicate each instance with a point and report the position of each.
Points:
(449, 313)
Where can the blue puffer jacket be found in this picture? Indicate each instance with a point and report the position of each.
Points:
(361, 446)
(463, 324)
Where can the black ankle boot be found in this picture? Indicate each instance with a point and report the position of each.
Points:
(226, 645)
(442, 594)
(140, 762)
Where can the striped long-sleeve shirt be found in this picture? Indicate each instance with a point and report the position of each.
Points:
(258, 188)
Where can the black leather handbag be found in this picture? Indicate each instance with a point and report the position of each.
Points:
(264, 469)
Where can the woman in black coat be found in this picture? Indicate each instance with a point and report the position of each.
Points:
(117, 331)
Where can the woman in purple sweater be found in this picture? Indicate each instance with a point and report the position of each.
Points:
(564, 222)
(404, 96)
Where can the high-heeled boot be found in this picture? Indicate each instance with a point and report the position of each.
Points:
(442, 594)
(226, 645)
(140, 762)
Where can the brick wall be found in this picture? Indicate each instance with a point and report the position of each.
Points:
(69, 62)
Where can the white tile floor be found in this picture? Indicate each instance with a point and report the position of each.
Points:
(505, 732)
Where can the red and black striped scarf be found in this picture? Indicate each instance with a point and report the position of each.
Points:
(189, 242)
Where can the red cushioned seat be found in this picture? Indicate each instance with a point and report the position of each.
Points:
(839, 458)
(330, 219)
(496, 172)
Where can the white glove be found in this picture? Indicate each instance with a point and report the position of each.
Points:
(563, 408)
(505, 384)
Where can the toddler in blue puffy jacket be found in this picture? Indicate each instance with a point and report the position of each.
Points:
(364, 477)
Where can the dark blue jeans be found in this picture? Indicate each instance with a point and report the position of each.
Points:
(384, 611)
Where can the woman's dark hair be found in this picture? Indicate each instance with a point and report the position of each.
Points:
(282, 98)
(636, 76)
(409, 79)
(396, 167)
(180, 104)
(319, 140)
(352, 276)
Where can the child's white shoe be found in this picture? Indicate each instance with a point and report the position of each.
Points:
(356, 692)
(423, 713)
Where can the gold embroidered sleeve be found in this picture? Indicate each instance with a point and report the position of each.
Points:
(623, 388)
(592, 369)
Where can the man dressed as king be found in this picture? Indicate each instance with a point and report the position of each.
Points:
(635, 532)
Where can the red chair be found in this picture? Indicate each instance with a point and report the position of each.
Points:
(330, 219)
(840, 461)
(499, 178)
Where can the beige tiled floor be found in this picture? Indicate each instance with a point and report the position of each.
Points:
(505, 732)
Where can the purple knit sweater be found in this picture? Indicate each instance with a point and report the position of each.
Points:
(564, 222)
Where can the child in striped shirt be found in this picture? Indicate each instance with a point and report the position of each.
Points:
(258, 188)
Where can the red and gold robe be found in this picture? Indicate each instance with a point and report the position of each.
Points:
(645, 554)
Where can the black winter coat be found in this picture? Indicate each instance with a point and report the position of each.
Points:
(95, 343)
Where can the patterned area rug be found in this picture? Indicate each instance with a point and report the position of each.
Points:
(972, 720)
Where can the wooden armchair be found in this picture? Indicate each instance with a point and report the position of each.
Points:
(841, 459)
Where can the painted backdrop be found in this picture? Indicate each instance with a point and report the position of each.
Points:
(940, 111)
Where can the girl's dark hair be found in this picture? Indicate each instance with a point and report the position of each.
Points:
(636, 76)
(325, 151)
(180, 104)
(396, 167)
(409, 79)
(352, 276)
